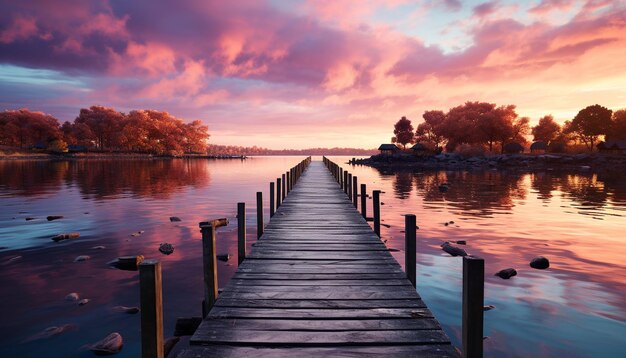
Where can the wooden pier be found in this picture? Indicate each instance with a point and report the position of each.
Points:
(319, 282)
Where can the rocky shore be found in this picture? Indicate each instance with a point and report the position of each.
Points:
(522, 162)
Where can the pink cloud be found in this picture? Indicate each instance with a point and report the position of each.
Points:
(546, 6)
(21, 28)
(485, 9)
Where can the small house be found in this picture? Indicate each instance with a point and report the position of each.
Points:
(513, 148)
(538, 147)
(612, 146)
(420, 150)
(388, 149)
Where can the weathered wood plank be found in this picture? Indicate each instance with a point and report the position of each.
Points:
(349, 313)
(328, 325)
(280, 303)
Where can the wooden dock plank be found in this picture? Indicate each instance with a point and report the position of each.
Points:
(319, 282)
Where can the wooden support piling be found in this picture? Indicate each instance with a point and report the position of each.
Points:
(376, 206)
(259, 214)
(241, 232)
(410, 248)
(288, 182)
(284, 187)
(473, 301)
(151, 300)
(272, 198)
(350, 186)
(355, 191)
(345, 181)
(210, 267)
(278, 192)
(364, 200)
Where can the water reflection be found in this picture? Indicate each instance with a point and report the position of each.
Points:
(102, 179)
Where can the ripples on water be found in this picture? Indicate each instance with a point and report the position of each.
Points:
(577, 220)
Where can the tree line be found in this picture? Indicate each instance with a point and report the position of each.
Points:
(486, 125)
(100, 128)
(216, 149)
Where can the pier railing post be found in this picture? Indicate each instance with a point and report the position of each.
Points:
(151, 299)
(410, 248)
(288, 182)
(345, 181)
(376, 206)
(284, 187)
(473, 301)
(278, 192)
(349, 186)
(364, 200)
(355, 191)
(272, 198)
(207, 228)
(241, 232)
(259, 214)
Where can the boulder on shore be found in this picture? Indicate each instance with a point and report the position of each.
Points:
(540, 263)
(507, 273)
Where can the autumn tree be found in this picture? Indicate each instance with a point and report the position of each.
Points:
(461, 125)
(101, 126)
(196, 137)
(24, 128)
(403, 131)
(590, 123)
(618, 125)
(430, 130)
(547, 130)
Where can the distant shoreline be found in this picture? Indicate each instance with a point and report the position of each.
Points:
(586, 162)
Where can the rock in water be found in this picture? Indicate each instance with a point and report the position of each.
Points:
(540, 263)
(507, 273)
(488, 307)
(82, 258)
(30, 218)
(135, 234)
(453, 250)
(124, 309)
(128, 263)
(166, 248)
(174, 219)
(54, 217)
(50, 332)
(68, 236)
(83, 302)
(223, 257)
(100, 247)
(72, 296)
(461, 242)
(111, 344)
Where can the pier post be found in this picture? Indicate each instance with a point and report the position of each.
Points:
(345, 181)
(207, 228)
(355, 191)
(410, 248)
(272, 198)
(284, 187)
(151, 300)
(241, 232)
(376, 206)
(473, 301)
(364, 201)
(349, 187)
(259, 214)
(278, 195)
(288, 182)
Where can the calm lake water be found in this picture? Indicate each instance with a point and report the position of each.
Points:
(576, 308)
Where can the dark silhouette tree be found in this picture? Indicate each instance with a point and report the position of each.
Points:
(590, 123)
(618, 125)
(403, 130)
(547, 130)
(430, 130)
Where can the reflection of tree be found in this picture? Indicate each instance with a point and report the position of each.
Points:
(543, 183)
(584, 189)
(145, 178)
(31, 177)
(403, 184)
(104, 178)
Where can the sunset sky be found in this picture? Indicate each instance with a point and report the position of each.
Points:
(307, 73)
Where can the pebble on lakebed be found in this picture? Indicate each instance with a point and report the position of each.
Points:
(82, 258)
(506, 274)
(68, 236)
(540, 263)
(109, 345)
(83, 302)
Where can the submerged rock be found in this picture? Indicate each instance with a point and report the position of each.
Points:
(507, 273)
(72, 296)
(83, 302)
(100, 247)
(137, 233)
(128, 310)
(540, 263)
(488, 307)
(166, 248)
(453, 250)
(223, 257)
(54, 217)
(111, 344)
(175, 219)
(82, 258)
(67, 236)
(30, 218)
(50, 332)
